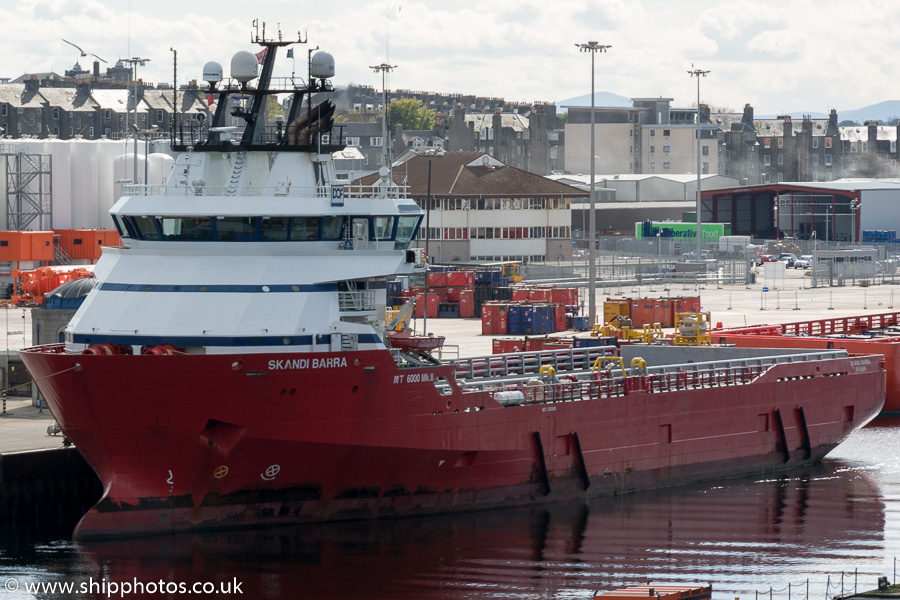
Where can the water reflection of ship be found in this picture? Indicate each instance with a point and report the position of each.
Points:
(738, 535)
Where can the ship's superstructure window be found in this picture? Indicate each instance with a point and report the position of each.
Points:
(187, 228)
(146, 227)
(124, 230)
(384, 226)
(305, 228)
(268, 229)
(333, 228)
(406, 229)
(274, 229)
(236, 228)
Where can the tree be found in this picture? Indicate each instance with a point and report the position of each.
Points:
(273, 109)
(563, 118)
(410, 113)
(354, 116)
(848, 123)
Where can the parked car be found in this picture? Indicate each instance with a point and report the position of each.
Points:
(890, 264)
(803, 262)
(787, 258)
(768, 258)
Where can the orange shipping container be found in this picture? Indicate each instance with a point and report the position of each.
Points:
(18, 246)
(86, 244)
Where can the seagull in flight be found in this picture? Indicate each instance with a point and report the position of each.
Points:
(83, 53)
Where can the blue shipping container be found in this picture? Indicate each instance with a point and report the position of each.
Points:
(520, 320)
(580, 322)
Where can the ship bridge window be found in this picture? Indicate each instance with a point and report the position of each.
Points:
(305, 228)
(333, 227)
(406, 229)
(236, 228)
(124, 230)
(384, 227)
(274, 229)
(145, 227)
(187, 228)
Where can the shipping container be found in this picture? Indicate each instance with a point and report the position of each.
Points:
(580, 322)
(437, 279)
(494, 318)
(685, 305)
(86, 244)
(503, 292)
(492, 277)
(520, 319)
(451, 294)
(433, 300)
(448, 310)
(521, 294)
(643, 312)
(26, 246)
(586, 342)
(467, 303)
(460, 279)
(613, 307)
(561, 324)
(544, 318)
(664, 315)
(566, 296)
(507, 345)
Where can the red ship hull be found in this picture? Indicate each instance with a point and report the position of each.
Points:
(823, 334)
(206, 441)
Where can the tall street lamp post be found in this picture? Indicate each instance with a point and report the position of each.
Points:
(593, 48)
(698, 73)
(430, 154)
(134, 62)
(384, 68)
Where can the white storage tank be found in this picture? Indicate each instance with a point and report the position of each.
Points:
(107, 151)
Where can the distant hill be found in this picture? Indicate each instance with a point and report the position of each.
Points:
(600, 99)
(883, 111)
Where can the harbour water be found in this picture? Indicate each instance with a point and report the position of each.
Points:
(812, 534)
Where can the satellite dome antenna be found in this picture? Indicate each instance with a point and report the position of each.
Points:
(212, 74)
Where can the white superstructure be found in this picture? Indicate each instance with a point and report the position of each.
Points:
(252, 245)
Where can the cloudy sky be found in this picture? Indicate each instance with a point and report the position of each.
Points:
(779, 56)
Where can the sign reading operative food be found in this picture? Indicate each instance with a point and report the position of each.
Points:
(711, 232)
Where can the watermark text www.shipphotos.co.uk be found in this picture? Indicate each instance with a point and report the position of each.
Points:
(121, 589)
